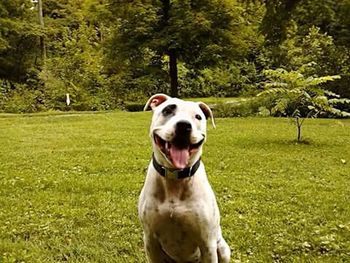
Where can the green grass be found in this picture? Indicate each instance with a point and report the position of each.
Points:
(69, 185)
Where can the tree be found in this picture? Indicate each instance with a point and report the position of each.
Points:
(297, 95)
(330, 16)
(19, 34)
(41, 22)
(198, 33)
(327, 23)
(298, 50)
(74, 63)
(276, 19)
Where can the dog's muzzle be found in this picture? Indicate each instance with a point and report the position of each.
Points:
(179, 149)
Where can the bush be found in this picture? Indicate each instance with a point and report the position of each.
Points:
(134, 106)
(246, 107)
(21, 99)
(225, 81)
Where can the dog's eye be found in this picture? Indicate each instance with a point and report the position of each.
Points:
(169, 109)
(198, 117)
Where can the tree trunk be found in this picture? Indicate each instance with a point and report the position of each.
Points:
(298, 123)
(172, 53)
(42, 40)
(173, 73)
(299, 133)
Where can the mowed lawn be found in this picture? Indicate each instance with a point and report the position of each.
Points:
(69, 186)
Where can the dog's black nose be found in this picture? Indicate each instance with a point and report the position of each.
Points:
(183, 127)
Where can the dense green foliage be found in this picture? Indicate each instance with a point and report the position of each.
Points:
(69, 185)
(106, 52)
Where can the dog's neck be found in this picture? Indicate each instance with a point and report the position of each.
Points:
(172, 188)
(174, 173)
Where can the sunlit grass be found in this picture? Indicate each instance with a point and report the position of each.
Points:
(69, 186)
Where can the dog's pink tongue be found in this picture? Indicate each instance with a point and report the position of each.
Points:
(179, 157)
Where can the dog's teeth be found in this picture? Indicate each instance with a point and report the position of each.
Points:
(167, 146)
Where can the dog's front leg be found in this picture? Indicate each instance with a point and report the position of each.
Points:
(209, 253)
(154, 251)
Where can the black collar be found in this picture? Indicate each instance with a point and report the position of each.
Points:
(176, 174)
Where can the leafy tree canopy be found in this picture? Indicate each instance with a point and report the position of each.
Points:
(199, 33)
(18, 39)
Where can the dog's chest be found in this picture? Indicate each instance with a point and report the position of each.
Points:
(177, 226)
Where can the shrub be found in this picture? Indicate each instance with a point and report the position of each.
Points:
(223, 81)
(244, 108)
(21, 100)
(134, 106)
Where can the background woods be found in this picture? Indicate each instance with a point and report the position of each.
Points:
(107, 52)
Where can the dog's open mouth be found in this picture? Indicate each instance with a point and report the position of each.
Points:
(178, 152)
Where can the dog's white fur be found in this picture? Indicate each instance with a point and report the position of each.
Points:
(180, 217)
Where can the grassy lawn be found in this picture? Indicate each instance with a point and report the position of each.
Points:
(69, 186)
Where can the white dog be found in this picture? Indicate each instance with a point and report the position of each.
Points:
(177, 206)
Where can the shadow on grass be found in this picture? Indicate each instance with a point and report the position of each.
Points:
(305, 141)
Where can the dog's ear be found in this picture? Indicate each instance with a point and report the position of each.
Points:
(155, 101)
(207, 112)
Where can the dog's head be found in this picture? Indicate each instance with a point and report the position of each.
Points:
(178, 130)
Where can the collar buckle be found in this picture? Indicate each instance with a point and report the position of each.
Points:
(172, 174)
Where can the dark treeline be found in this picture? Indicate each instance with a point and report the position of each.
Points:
(105, 52)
